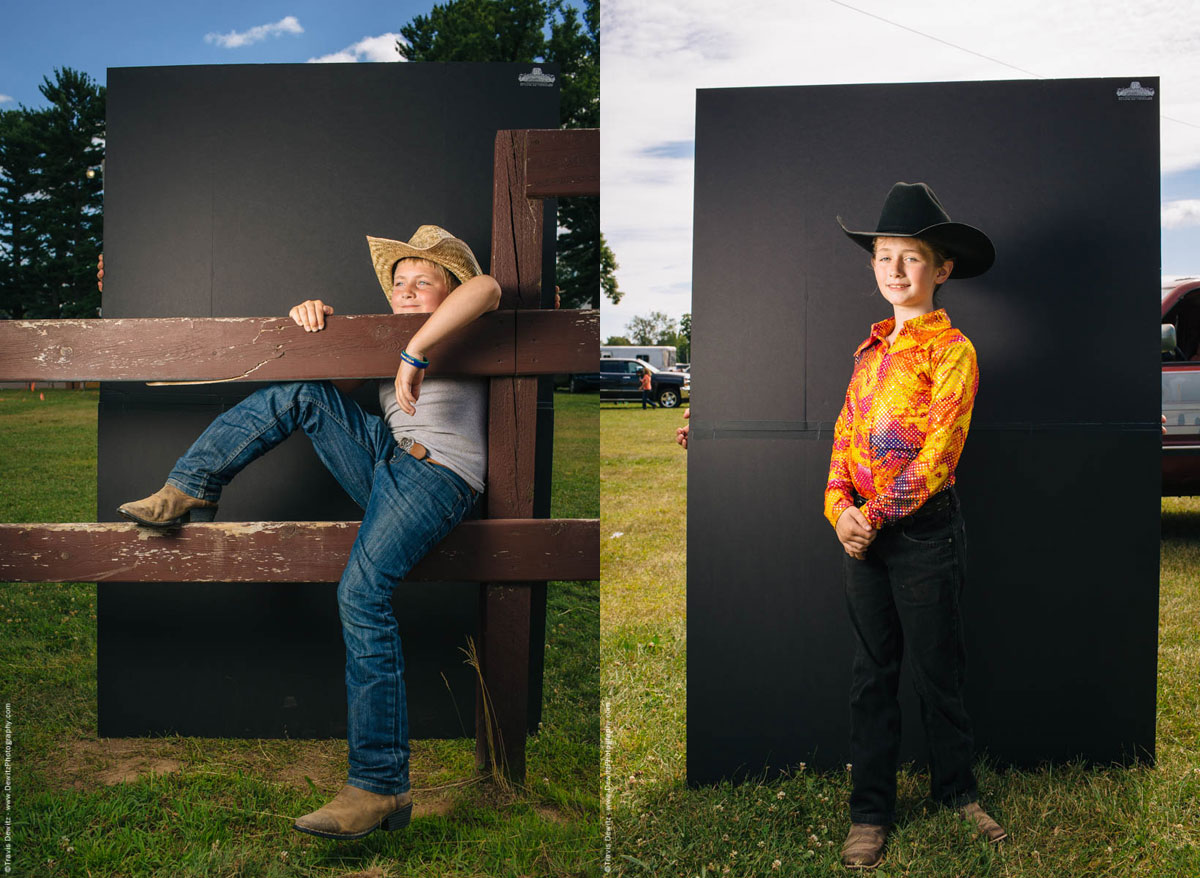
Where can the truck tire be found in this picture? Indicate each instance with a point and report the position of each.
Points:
(669, 397)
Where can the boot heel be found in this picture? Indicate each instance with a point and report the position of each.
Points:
(202, 513)
(397, 819)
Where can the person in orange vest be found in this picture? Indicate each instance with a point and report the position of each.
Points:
(646, 385)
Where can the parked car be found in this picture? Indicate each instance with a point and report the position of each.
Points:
(1181, 388)
(582, 382)
(622, 379)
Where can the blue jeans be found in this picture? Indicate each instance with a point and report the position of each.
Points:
(409, 505)
(906, 594)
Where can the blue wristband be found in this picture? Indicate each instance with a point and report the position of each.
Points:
(413, 361)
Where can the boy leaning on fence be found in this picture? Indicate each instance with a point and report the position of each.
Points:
(416, 472)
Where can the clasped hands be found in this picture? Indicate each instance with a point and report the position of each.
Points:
(855, 532)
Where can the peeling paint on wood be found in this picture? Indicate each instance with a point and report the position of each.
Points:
(301, 551)
(215, 349)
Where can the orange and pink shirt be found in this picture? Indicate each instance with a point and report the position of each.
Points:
(902, 428)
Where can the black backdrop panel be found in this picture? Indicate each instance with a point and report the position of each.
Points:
(236, 191)
(1059, 481)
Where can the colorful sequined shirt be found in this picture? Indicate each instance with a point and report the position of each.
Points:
(905, 419)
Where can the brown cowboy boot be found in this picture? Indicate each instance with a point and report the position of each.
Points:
(168, 507)
(983, 824)
(354, 813)
(863, 848)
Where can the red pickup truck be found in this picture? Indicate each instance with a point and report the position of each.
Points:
(1181, 387)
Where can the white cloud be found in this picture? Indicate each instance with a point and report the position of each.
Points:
(4, 99)
(234, 40)
(657, 54)
(1181, 214)
(380, 48)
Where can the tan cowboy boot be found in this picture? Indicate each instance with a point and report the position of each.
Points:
(168, 507)
(863, 848)
(354, 813)
(983, 824)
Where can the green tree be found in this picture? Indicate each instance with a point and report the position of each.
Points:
(575, 47)
(618, 340)
(50, 209)
(477, 30)
(608, 272)
(685, 338)
(516, 31)
(532, 31)
(657, 328)
(20, 251)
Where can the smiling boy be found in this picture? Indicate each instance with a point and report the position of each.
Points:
(416, 472)
(891, 500)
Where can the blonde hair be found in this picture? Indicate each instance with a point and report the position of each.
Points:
(446, 274)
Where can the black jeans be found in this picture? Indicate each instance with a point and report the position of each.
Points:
(908, 589)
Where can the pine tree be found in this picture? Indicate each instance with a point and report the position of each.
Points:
(50, 209)
(20, 247)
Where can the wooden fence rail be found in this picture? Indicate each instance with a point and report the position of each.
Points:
(289, 551)
(275, 348)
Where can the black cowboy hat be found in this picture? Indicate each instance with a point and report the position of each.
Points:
(913, 211)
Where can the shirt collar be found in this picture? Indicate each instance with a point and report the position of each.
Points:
(916, 331)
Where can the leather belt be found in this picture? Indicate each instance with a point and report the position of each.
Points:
(417, 451)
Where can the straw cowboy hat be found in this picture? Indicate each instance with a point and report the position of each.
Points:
(913, 211)
(429, 242)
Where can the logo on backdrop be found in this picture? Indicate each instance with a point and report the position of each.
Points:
(536, 77)
(1135, 91)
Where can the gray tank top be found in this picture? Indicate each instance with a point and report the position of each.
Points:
(451, 421)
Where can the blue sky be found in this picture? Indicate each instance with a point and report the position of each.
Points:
(1181, 245)
(39, 35)
(36, 37)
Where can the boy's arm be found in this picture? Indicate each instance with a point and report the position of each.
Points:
(955, 381)
(468, 301)
(854, 532)
(839, 490)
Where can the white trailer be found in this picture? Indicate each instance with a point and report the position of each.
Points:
(662, 356)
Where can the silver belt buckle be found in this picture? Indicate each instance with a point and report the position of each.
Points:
(406, 443)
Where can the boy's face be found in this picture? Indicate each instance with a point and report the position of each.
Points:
(906, 272)
(417, 287)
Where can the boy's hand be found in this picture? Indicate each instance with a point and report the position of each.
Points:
(408, 386)
(855, 532)
(681, 433)
(311, 314)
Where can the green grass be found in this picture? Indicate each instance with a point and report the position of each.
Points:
(223, 807)
(1063, 820)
